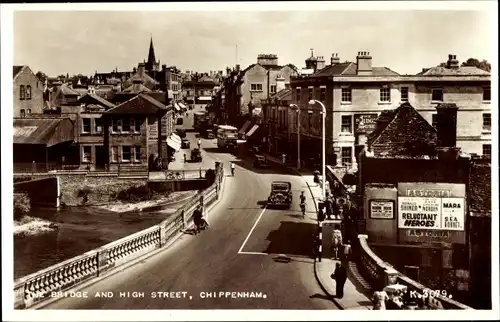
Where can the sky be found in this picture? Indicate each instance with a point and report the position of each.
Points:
(82, 42)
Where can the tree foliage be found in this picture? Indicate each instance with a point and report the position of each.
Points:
(41, 76)
(473, 62)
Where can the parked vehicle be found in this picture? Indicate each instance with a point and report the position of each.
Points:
(196, 155)
(209, 134)
(281, 194)
(180, 121)
(185, 144)
(181, 133)
(227, 136)
(260, 161)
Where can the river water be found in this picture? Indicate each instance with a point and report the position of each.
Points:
(80, 230)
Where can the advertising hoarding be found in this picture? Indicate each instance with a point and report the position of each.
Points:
(431, 212)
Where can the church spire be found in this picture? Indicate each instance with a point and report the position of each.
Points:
(151, 56)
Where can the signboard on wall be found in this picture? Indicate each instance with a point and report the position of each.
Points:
(153, 129)
(381, 209)
(365, 122)
(431, 212)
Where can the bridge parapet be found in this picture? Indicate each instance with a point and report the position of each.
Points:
(380, 274)
(37, 287)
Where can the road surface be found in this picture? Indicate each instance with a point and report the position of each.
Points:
(236, 254)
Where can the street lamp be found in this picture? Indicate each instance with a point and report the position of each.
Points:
(295, 106)
(311, 102)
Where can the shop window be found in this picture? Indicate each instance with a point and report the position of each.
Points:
(346, 155)
(86, 154)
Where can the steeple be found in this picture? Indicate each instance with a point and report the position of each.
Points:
(151, 64)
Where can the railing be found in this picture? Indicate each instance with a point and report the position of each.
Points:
(33, 167)
(380, 274)
(37, 287)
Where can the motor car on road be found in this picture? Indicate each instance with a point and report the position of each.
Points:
(280, 195)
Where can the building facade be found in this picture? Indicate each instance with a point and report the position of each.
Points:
(354, 94)
(199, 91)
(133, 133)
(27, 92)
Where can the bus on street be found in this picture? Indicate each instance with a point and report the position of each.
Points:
(227, 136)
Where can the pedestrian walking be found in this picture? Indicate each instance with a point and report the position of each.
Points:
(347, 251)
(283, 158)
(328, 206)
(340, 277)
(336, 243)
(185, 158)
(379, 299)
(321, 215)
(199, 143)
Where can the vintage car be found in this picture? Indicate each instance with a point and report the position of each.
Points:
(196, 155)
(281, 194)
(209, 134)
(260, 161)
(185, 144)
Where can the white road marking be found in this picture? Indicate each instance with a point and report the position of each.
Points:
(251, 230)
(252, 253)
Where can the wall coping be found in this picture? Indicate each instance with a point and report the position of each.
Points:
(21, 281)
(391, 270)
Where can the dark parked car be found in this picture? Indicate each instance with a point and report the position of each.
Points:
(196, 155)
(209, 134)
(185, 144)
(180, 121)
(281, 194)
(260, 162)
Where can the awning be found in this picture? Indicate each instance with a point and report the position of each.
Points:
(205, 98)
(245, 127)
(176, 137)
(46, 131)
(177, 106)
(252, 130)
(183, 106)
(173, 144)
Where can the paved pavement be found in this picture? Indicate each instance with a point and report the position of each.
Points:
(238, 253)
(355, 297)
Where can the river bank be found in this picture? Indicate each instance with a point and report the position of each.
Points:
(44, 237)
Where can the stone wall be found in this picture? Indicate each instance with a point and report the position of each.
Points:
(99, 190)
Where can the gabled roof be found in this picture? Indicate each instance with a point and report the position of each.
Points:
(282, 95)
(145, 79)
(136, 88)
(46, 131)
(67, 91)
(460, 71)
(350, 69)
(140, 104)
(96, 99)
(403, 133)
(17, 70)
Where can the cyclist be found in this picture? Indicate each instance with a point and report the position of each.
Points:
(232, 169)
(303, 203)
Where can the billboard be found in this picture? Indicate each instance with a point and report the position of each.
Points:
(381, 209)
(365, 122)
(431, 212)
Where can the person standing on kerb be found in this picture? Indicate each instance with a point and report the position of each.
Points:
(340, 277)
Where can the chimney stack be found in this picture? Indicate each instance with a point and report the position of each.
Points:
(163, 67)
(142, 69)
(364, 62)
(447, 128)
(320, 62)
(237, 67)
(335, 59)
(452, 62)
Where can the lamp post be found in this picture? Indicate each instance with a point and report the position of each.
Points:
(295, 106)
(323, 163)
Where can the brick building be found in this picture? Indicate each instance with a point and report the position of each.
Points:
(27, 92)
(136, 132)
(419, 192)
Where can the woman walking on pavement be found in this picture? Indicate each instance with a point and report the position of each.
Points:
(336, 242)
(340, 277)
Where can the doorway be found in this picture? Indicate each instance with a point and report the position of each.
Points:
(100, 157)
